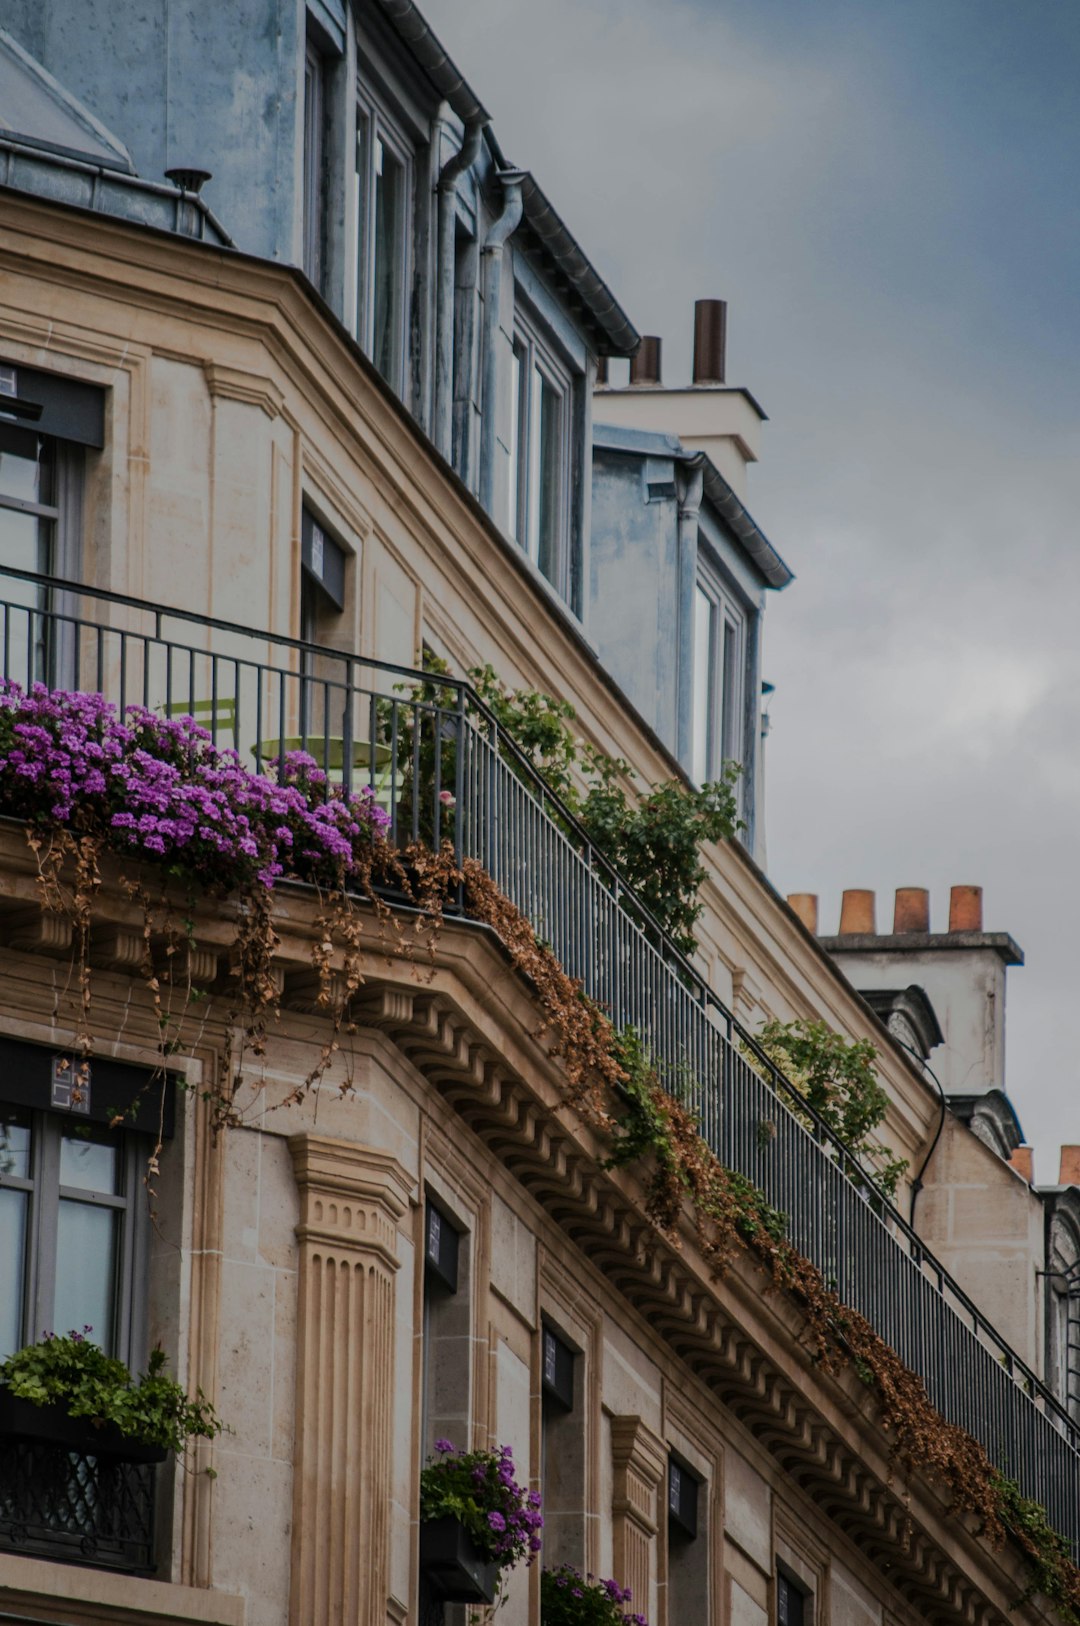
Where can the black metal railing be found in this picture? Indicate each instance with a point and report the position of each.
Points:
(76, 1507)
(443, 768)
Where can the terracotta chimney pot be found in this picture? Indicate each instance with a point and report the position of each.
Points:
(857, 913)
(805, 905)
(1070, 1166)
(965, 909)
(1021, 1161)
(912, 910)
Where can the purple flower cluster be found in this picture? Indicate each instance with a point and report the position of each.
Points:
(480, 1489)
(161, 788)
(568, 1598)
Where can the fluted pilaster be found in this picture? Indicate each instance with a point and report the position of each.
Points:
(638, 1460)
(351, 1198)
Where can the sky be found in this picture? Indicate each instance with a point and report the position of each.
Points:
(885, 191)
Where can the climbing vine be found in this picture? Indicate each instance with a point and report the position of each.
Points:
(838, 1080)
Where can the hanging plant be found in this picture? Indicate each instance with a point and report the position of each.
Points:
(568, 1598)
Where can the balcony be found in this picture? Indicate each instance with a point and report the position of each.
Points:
(443, 769)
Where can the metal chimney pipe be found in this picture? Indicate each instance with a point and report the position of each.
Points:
(710, 341)
(645, 363)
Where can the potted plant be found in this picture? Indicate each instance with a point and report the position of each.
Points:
(476, 1522)
(67, 1390)
(568, 1598)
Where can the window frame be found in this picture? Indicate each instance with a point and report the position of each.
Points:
(314, 161)
(59, 552)
(127, 1336)
(376, 120)
(533, 353)
(723, 737)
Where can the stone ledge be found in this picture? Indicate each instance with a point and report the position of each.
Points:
(37, 1590)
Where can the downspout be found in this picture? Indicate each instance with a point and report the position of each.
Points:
(446, 191)
(691, 477)
(491, 252)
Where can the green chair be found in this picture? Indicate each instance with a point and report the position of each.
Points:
(218, 717)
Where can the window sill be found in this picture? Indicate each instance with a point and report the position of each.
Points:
(36, 1585)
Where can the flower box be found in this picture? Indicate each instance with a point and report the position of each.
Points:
(21, 1419)
(454, 1567)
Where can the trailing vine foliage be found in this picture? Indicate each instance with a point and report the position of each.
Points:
(615, 1089)
(653, 838)
(837, 1078)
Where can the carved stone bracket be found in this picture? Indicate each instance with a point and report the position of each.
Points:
(351, 1199)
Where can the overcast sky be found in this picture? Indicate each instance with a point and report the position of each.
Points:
(886, 193)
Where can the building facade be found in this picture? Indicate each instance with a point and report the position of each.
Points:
(223, 495)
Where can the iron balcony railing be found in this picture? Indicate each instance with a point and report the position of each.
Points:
(444, 769)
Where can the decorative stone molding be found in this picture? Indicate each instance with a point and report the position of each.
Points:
(230, 384)
(351, 1199)
(638, 1460)
(37, 931)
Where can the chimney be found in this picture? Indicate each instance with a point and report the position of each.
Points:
(1070, 1166)
(601, 369)
(857, 913)
(645, 362)
(965, 909)
(710, 341)
(911, 912)
(805, 906)
(1021, 1161)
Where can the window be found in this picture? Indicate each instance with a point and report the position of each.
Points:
(322, 599)
(562, 1452)
(794, 1604)
(719, 644)
(688, 1546)
(384, 190)
(314, 164)
(540, 515)
(70, 1240)
(45, 423)
(447, 1332)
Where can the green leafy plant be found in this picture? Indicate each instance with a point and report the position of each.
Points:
(837, 1078)
(653, 837)
(568, 1598)
(75, 1373)
(479, 1489)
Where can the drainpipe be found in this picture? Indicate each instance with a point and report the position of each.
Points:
(446, 190)
(501, 229)
(691, 478)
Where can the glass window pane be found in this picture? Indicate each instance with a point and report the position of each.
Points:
(89, 1161)
(26, 465)
(13, 1210)
(86, 1244)
(360, 184)
(14, 1143)
(26, 543)
(700, 764)
(517, 451)
(388, 270)
(549, 479)
(536, 390)
(731, 745)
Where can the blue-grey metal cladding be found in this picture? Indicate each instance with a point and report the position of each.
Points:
(440, 764)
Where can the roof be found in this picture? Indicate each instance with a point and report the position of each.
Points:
(37, 111)
(556, 247)
(730, 508)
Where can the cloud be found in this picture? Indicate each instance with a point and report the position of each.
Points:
(880, 195)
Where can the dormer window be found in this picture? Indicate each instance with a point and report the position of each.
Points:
(719, 659)
(384, 194)
(541, 509)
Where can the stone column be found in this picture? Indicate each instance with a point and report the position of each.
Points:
(351, 1198)
(639, 1461)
